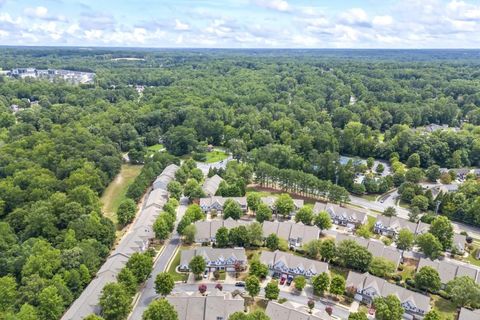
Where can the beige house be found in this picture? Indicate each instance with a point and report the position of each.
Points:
(293, 311)
(210, 186)
(216, 258)
(448, 270)
(297, 234)
(287, 263)
(342, 216)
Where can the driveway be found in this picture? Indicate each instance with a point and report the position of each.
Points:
(147, 293)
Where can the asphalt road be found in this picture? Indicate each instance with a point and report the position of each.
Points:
(147, 293)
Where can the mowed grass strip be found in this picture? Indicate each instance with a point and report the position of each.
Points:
(116, 190)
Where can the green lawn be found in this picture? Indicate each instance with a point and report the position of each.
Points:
(369, 197)
(445, 308)
(215, 156)
(175, 262)
(471, 257)
(263, 193)
(154, 149)
(116, 190)
(408, 272)
(336, 270)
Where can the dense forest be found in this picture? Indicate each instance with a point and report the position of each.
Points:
(295, 110)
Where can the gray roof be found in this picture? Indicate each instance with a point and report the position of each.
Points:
(292, 262)
(291, 231)
(376, 248)
(459, 241)
(449, 270)
(290, 311)
(210, 186)
(207, 230)
(466, 314)
(157, 198)
(165, 177)
(396, 223)
(270, 201)
(216, 305)
(383, 288)
(220, 201)
(344, 213)
(212, 254)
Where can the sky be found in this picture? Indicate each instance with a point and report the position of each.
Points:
(242, 23)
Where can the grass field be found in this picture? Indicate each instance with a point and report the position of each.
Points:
(471, 257)
(216, 155)
(154, 149)
(446, 309)
(116, 190)
(172, 269)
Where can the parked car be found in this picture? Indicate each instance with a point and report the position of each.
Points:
(239, 284)
(205, 274)
(282, 279)
(289, 280)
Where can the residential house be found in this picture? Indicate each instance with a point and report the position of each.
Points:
(390, 226)
(342, 216)
(206, 231)
(217, 305)
(157, 198)
(216, 203)
(466, 314)
(287, 263)
(449, 270)
(210, 186)
(297, 234)
(294, 311)
(216, 258)
(369, 287)
(165, 177)
(270, 202)
(376, 248)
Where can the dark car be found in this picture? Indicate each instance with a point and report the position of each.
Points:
(240, 284)
(289, 280)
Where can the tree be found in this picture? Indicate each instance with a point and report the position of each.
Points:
(272, 242)
(263, 213)
(126, 278)
(421, 202)
(161, 227)
(160, 310)
(164, 283)
(413, 160)
(414, 175)
(304, 215)
(327, 249)
(115, 302)
(272, 290)
(405, 239)
(390, 212)
(252, 285)
(323, 220)
(189, 234)
(50, 303)
(310, 305)
(232, 209)
(126, 211)
(433, 173)
(253, 201)
(429, 245)
(432, 315)
(381, 267)
(193, 190)
(427, 278)
(464, 292)
(258, 269)
(357, 316)
(442, 229)
(352, 255)
(388, 308)
(320, 283)
(312, 248)
(380, 168)
(180, 140)
(370, 162)
(141, 266)
(337, 285)
(300, 282)
(197, 265)
(255, 234)
(284, 205)
(29, 312)
(221, 238)
(175, 189)
(8, 293)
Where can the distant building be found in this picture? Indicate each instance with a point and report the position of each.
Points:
(270, 202)
(206, 231)
(391, 226)
(166, 177)
(369, 287)
(216, 305)
(216, 203)
(287, 263)
(449, 270)
(297, 234)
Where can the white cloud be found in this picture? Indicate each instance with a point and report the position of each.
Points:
(354, 16)
(181, 26)
(382, 20)
(279, 5)
(36, 12)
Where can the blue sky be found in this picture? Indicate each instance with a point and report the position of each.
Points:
(242, 23)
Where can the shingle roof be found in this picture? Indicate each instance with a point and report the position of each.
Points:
(212, 254)
(384, 288)
(167, 175)
(210, 186)
(290, 311)
(449, 270)
(293, 262)
(466, 314)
